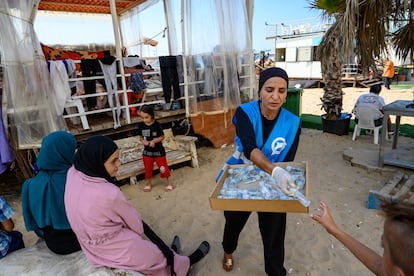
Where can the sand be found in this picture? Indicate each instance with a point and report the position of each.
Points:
(309, 249)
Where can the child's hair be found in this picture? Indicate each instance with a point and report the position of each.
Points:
(149, 110)
(375, 88)
(402, 240)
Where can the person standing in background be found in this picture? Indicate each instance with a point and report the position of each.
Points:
(388, 73)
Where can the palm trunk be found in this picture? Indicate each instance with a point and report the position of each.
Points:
(332, 97)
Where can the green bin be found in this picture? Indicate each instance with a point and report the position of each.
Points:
(294, 100)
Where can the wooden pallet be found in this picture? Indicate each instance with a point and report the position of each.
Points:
(360, 81)
(370, 82)
(398, 188)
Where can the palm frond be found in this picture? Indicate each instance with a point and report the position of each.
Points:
(372, 30)
(403, 39)
(364, 26)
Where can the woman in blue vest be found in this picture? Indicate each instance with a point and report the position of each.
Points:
(265, 133)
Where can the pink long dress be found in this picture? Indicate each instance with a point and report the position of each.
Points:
(110, 230)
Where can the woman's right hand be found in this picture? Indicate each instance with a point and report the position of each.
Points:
(325, 218)
(284, 180)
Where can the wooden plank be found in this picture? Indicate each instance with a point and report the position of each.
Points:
(410, 199)
(406, 187)
(385, 193)
(389, 186)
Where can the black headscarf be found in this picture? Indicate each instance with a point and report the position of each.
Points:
(92, 155)
(271, 73)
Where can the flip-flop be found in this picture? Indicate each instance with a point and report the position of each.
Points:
(176, 245)
(169, 188)
(147, 188)
(204, 247)
(228, 264)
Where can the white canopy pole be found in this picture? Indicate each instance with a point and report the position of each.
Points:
(186, 99)
(115, 24)
(167, 20)
(252, 79)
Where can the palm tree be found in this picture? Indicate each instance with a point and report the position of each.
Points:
(363, 26)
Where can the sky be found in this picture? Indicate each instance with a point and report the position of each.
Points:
(98, 29)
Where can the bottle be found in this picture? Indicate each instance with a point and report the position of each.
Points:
(302, 198)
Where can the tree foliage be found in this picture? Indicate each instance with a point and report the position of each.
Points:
(366, 27)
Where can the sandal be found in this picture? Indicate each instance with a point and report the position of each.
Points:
(228, 262)
(204, 247)
(169, 188)
(176, 245)
(147, 188)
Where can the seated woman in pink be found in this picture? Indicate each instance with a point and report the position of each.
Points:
(109, 229)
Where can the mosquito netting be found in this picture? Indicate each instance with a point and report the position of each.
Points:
(218, 51)
(213, 38)
(29, 102)
(131, 28)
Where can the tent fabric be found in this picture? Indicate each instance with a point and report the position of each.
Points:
(222, 61)
(88, 6)
(218, 65)
(27, 88)
(132, 34)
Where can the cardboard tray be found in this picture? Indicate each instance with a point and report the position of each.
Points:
(261, 205)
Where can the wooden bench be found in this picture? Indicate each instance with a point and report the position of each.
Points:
(179, 149)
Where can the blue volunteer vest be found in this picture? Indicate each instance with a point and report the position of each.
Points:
(277, 144)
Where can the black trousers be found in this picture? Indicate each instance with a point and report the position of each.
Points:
(61, 241)
(169, 77)
(90, 68)
(272, 229)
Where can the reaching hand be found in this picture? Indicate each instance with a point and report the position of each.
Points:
(325, 219)
(284, 180)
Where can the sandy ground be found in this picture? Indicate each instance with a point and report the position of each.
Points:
(309, 249)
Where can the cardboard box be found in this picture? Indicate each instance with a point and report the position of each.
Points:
(259, 205)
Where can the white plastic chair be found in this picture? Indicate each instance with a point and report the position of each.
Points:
(81, 111)
(366, 121)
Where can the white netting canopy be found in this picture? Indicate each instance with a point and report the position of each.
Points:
(29, 101)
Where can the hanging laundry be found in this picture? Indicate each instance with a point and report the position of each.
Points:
(169, 76)
(108, 65)
(71, 70)
(60, 83)
(137, 82)
(6, 153)
(90, 67)
(131, 61)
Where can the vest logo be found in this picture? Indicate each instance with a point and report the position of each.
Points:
(278, 145)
